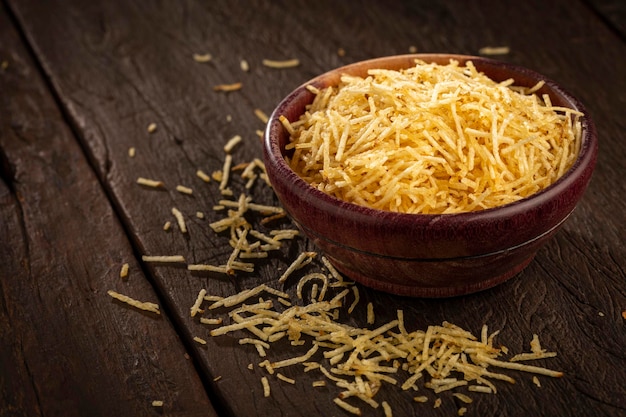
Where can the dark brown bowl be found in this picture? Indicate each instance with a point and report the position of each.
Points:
(427, 255)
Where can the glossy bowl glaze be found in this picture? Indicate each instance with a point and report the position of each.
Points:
(427, 255)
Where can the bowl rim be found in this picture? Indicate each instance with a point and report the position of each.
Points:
(585, 160)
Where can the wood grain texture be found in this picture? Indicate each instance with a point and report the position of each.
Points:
(613, 12)
(117, 66)
(66, 348)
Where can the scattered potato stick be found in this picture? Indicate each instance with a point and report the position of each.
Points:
(522, 367)
(288, 63)
(261, 115)
(184, 190)
(284, 378)
(266, 386)
(216, 321)
(494, 50)
(228, 87)
(195, 308)
(362, 359)
(349, 408)
(387, 409)
(150, 183)
(232, 142)
(164, 258)
(297, 263)
(203, 176)
(180, 219)
(146, 306)
(199, 340)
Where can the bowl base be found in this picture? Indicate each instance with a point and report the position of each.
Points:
(415, 290)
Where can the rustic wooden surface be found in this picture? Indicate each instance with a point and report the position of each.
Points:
(82, 84)
(66, 348)
(613, 13)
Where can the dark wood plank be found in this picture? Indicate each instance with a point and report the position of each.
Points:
(17, 391)
(118, 66)
(66, 348)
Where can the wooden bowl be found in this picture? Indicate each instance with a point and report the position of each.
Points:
(418, 254)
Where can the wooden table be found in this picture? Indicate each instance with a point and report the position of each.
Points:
(80, 82)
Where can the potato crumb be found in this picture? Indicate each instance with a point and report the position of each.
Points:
(157, 403)
(217, 378)
(243, 64)
(412, 49)
(536, 381)
(202, 58)
(420, 399)
(437, 403)
(199, 214)
(167, 226)
(152, 127)
(131, 151)
(217, 175)
(341, 52)
(124, 271)
(462, 411)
